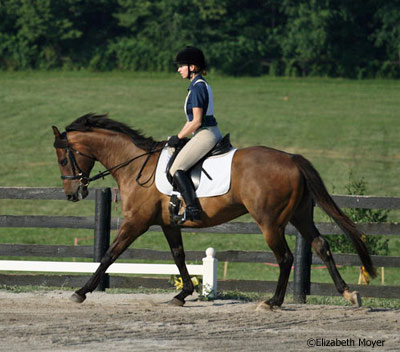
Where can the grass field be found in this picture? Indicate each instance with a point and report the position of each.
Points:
(343, 127)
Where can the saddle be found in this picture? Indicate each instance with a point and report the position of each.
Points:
(195, 172)
(222, 147)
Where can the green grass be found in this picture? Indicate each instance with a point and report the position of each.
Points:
(343, 127)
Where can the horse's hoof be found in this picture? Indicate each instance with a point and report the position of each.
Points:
(264, 306)
(77, 298)
(356, 299)
(176, 302)
(353, 297)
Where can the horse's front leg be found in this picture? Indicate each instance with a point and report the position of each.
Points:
(174, 238)
(129, 231)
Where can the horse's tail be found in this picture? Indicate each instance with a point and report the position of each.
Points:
(321, 196)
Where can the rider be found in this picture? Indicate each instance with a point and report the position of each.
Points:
(199, 110)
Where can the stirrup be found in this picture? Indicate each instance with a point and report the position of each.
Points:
(192, 213)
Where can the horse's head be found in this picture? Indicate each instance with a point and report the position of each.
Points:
(75, 166)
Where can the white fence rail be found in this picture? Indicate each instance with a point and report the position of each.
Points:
(208, 269)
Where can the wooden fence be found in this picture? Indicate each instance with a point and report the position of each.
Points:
(102, 223)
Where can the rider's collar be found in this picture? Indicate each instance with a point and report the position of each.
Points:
(193, 82)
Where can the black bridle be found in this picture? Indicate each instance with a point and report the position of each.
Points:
(83, 176)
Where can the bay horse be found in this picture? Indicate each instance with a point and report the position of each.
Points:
(273, 186)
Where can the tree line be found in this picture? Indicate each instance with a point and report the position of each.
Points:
(335, 38)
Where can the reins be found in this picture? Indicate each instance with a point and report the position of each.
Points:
(152, 151)
(84, 178)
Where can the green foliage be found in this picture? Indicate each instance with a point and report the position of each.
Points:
(387, 37)
(377, 245)
(46, 34)
(356, 39)
(305, 47)
(333, 37)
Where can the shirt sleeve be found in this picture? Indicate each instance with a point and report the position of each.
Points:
(199, 96)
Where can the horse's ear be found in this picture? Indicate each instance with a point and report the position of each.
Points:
(60, 141)
(56, 132)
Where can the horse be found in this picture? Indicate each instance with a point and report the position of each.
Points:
(273, 186)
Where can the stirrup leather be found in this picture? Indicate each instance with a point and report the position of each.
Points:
(174, 206)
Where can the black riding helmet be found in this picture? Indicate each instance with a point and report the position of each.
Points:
(191, 56)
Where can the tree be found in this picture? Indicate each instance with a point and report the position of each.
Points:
(359, 38)
(238, 37)
(48, 33)
(329, 37)
(387, 38)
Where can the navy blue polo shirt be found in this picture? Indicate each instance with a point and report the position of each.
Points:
(200, 96)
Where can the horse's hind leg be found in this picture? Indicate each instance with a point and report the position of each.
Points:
(174, 238)
(128, 232)
(303, 220)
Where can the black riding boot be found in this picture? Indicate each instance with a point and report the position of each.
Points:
(185, 187)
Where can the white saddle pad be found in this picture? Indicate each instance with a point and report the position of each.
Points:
(217, 167)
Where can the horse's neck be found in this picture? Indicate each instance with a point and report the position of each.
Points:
(112, 149)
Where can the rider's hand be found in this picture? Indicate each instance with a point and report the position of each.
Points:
(174, 142)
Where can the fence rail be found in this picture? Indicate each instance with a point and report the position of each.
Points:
(208, 270)
(301, 285)
(245, 228)
(344, 201)
(232, 256)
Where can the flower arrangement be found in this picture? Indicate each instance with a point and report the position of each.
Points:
(177, 282)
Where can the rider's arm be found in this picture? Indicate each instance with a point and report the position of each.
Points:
(192, 126)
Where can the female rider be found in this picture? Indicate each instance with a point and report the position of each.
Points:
(199, 110)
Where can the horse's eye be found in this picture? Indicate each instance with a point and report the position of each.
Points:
(63, 162)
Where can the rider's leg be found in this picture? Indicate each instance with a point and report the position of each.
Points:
(198, 146)
(185, 186)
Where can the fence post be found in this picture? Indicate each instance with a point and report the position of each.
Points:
(210, 264)
(302, 269)
(102, 226)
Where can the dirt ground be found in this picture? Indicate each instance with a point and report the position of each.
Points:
(48, 321)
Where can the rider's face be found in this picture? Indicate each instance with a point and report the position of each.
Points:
(183, 70)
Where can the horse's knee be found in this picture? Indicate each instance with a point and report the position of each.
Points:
(106, 259)
(179, 256)
(178, 252)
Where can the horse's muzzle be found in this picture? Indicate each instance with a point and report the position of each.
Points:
(81, 193)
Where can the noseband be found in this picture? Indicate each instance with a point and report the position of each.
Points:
(83, 176)
(78, 173)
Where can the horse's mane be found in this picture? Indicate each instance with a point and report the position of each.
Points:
(90, 121)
